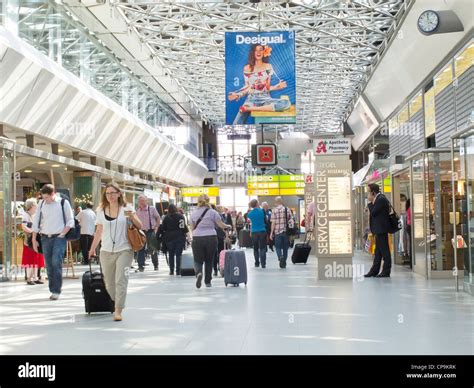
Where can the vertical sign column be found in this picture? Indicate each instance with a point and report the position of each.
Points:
(333, 209)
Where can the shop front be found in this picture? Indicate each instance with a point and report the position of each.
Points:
(432, 194)
(376, 171)
(25, 170)
(463, 205)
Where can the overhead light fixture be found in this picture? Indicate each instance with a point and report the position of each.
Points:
(41, 162)
(28, 171)
(55, 165)
(60, 150)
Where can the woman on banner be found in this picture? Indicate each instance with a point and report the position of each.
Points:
(258, 75)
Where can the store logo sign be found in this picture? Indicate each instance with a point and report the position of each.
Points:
(261, 40)
(340, 146)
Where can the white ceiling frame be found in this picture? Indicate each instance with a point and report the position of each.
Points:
(338, 46)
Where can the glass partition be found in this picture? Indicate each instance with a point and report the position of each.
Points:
(418, 215)
(432, 213)
(465, 207)
(6, 167)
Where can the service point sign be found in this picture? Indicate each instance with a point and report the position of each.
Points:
(341, 146)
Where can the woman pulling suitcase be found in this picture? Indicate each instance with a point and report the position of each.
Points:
(116, 254)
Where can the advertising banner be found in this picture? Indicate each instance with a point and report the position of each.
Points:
(260, 78)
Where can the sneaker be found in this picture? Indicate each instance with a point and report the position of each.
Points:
(178, 273)
(54, 296)
(38, 282)
(199, 280)
(257, 265)
(141, 269)
(156, 268)
(215, 273)
(208, 285)
(31, 283)
(171, 272)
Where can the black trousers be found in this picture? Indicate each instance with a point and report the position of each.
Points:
(204, 249)
(382, 251)
(86, 243)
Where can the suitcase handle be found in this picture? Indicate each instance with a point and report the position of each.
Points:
(90, 266)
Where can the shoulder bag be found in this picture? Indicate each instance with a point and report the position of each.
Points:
(136, 236)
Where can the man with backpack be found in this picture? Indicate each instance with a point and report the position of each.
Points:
(52, 222)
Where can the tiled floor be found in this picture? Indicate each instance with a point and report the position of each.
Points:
(279, 312)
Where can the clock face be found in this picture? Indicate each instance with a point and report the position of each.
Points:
(428, 21)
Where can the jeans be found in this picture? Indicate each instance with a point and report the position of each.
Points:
(259, 240)
(54, 249)
(147, 249)
(204, 248)
(263, 99)
(175, 248)
(86, 243)
(282, 242)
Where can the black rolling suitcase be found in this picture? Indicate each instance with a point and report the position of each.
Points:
(245, 241)
(96, 297)
(187, 265)
(301, 252)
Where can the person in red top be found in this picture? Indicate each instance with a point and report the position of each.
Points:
(30, 260)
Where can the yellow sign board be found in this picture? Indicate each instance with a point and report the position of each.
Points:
(269, 192)
(197, 191)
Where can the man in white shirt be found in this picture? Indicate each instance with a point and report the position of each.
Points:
(52, 221)
(87, 220)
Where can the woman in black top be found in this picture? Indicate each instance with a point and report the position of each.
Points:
(174, 231)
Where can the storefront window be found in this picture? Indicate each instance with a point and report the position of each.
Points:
(465, 206)
(418, 212)
(440, 206)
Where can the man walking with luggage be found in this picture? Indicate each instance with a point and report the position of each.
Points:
(259, 233)
(52, 221)
(150, 220)
(281, 218)
(379, 222)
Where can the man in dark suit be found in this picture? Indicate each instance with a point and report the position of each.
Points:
(379, 222)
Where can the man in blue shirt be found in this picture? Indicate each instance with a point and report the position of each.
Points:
(259, 233)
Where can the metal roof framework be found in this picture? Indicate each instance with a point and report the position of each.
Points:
(338, 46)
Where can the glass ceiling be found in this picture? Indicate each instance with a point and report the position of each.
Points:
(339, 43)
(49, 28)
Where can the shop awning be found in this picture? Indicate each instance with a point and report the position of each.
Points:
(373, 172)
(359, 176)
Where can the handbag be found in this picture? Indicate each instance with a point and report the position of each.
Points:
(136, 237)
(394, 220)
